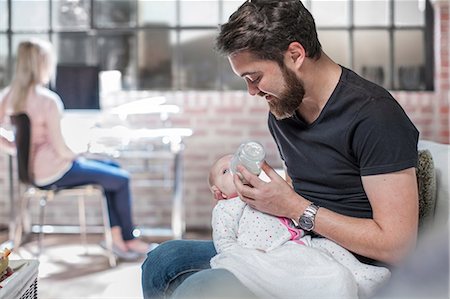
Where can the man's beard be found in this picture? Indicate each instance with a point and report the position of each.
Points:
(290, 99)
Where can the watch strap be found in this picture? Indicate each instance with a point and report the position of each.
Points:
(311, 210)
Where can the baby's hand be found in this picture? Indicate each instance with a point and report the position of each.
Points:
(219, 195)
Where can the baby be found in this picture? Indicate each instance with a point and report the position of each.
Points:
(275, 259)
(234, 222)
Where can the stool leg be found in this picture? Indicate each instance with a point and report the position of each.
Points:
(108, 233)
(26, 220)
(82, 219)
(19, 222)
(178, 222)
(42, 204)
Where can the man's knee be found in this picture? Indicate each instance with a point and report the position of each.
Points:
(212, 283)
(162, 256)
(196, 254)
(168, 264)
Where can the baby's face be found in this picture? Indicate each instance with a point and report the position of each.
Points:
(223, 179)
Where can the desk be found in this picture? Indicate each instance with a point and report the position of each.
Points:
(178, 226)
(124, 143)
(173, 149)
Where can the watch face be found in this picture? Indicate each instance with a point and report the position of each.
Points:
(306, 223)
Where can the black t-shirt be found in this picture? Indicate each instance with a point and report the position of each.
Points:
(361, 131)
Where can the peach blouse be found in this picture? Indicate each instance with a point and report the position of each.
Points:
(50, 157)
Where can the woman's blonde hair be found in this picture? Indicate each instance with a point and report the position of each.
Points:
(35, 64)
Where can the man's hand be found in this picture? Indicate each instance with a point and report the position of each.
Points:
(275, 197)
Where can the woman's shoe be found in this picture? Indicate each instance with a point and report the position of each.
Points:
(151, 246)
(123, 255)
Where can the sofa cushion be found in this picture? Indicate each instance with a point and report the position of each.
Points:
(441, 157)
(426, 180)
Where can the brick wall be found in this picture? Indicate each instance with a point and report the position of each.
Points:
(222, 120)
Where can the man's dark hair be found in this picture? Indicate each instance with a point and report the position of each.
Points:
(267, 27)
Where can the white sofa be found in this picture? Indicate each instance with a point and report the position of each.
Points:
(441, 157)
(425, 274)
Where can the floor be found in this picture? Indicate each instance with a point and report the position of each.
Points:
(69, 270)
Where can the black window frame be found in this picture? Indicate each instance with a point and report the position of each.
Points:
(218, 83)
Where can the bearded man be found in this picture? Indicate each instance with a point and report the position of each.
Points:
(348, 147)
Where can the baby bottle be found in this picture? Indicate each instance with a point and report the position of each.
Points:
(250, 154)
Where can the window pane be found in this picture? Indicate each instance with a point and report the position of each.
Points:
(155, 58)
(229, 6)
(3, 61)
(336, 43)
(3, 15)
(199, 62)
(69, 14)
(118, 52)
(75, 48)
(152, 12)
(409, 60)
(372, 55)
(117, 13)
(409, 12)
(330, 12)
(30, 15)
(371, 13)
(199, 13)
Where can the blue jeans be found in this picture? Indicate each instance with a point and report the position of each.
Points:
(115, 183)
(181, 269)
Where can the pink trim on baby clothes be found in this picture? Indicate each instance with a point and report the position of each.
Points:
(296, 233)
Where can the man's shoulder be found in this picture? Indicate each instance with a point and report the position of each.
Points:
(355, 85)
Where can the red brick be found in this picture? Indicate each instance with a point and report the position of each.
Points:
(247, 122)
(427, 110)
(229, 132)
(263, 110)
(423, 122)
(226, 110)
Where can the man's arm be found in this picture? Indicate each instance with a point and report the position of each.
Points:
(392, 232)
(387, 237)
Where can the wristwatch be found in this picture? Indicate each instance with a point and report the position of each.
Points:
(306, 220)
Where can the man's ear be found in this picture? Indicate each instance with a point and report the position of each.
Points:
(295, 55)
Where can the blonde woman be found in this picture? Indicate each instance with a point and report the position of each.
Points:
(54, 164)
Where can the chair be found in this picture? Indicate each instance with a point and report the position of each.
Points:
(22, 133)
